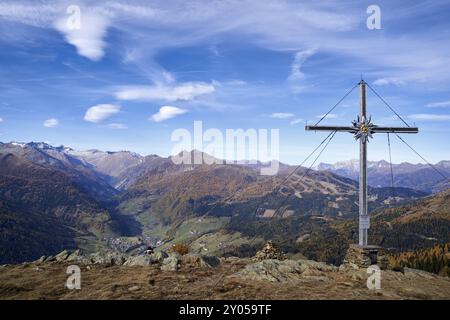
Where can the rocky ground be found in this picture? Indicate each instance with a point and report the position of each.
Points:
(197, 277)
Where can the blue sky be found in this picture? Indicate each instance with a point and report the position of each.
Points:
(231, 64)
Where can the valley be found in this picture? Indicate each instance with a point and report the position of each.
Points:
(124, 202)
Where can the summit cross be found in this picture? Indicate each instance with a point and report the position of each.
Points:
(363, 129)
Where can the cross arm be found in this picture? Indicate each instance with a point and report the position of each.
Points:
(373, 129)
(395, 129)
(330, 128)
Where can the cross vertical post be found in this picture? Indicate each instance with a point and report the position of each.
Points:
(364, 222)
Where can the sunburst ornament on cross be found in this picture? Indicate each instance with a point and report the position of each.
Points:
(363, 129)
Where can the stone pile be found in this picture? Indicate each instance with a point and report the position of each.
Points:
(364, 256)
(270, 251)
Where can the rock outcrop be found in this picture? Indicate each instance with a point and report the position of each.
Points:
(199, 261)
(138, 261)
(166, 262)
(282, 271)
(171, 263)
(102, 258)
(159, 256)
(62, 256)
(108, 258)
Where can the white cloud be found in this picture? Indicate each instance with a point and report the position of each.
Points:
(184, 91)
(50, 123)
(299, 60)
(442, 104)
(167, 112)
(117, 126)
(88, 39)
(1, 120)
(134, 10)
(34, 15)
(281, 115)
(429, 117)
(297, 77)
(389, 81)
(296, 121)
(100, 112)
(276, 25)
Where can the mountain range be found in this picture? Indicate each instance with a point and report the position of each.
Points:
(57, 197)
(417, 176)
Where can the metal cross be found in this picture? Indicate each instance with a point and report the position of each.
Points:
(362, 129)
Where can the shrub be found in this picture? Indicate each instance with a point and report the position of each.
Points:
(180, 248)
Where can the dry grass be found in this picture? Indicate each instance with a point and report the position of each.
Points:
(47, 281)
(180, 248)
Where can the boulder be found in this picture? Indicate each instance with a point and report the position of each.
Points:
(62, 256)
(145, 260)
(96, 258)
(213, 261)
(65, 255)
(314, 265)
(171, 262)
(159, 256)
(77, 255)
(199, 261)
(107, 258)
(274, 270)
(41, 259)
(116, 258)
(138, 261)
(49, 259)
(134, 288)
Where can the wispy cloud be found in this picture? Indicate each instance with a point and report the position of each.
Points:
(281, 115)
(297, 77)
(389, 81)
(51, 123)
(1, 120)
(442, 104)
(100, 112)
(279, 25)
(296, 121)
(429, 117)
(183, 91)
(167, 112)
(117, 126)
(299, 60)
(34, 15)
